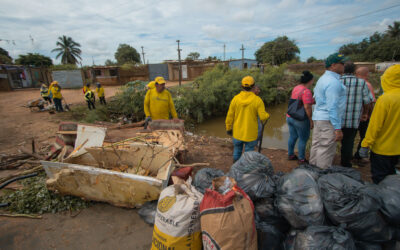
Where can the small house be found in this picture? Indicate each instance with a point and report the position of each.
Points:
(242, 64)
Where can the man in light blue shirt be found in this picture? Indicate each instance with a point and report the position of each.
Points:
(330, 99)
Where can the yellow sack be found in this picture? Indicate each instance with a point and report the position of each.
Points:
(177, 222)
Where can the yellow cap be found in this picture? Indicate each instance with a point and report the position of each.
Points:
(247, 81)
(54, 82)
(151, 85)
(159, 80)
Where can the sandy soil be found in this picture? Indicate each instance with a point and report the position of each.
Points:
(101, 226)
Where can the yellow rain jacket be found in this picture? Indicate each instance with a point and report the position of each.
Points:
(89, 95)
(159, 105)
(100, 92)
(56, 91)
(383, 134)
(242, 117)
(44, 91)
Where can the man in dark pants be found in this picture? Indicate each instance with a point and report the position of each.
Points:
(358, 98)
(383, 134)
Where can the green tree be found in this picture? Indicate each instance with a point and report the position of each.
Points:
(35, 59)
(5, 58)
(126, 54)
(68, 49)
(311, 59)
(109, 62)
(394, 31)
(278, 51)
(193, 56)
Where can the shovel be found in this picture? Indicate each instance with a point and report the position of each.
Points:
(262, 135)
(66, 105)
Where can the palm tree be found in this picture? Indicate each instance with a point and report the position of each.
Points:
(68, 49)
(394, 31)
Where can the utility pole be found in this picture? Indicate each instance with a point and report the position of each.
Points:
(179, 60)
(92, 61)
(224, 51)
(242, 49)
(144, 61)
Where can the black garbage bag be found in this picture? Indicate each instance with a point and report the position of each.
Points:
(314, 170)
(290, 240)
(250, 161)
(363, 245)
(203, 178)
(268, 213)
(257, 184)
(298, 199)
(269, 237)
(355, 205)
(148, 212)
(349, 172)
(324, 237)
(389, 192)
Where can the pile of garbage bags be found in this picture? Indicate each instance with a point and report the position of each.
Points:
(307, 208)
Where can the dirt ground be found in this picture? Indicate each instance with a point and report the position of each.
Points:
(101, 226)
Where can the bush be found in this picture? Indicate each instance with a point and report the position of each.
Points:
(211, 93)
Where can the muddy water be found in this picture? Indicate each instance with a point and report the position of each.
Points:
(276, 132)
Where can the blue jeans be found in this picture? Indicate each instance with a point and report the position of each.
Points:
(298, 130)
(238, 147)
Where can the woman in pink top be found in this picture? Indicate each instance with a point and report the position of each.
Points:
(301, 129)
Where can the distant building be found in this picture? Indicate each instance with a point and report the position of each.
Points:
(18, 76)
(247, 63)
(381, 67)
(369, 65)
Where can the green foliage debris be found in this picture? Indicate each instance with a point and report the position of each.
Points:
(35, 198)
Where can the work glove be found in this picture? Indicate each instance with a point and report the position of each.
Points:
(146, 122)
(363, 152)
(229, 132)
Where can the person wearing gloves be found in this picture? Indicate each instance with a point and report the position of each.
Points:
(242, 118)
(89, 97)
(330, 99)
(158, 102)
(383, 133)
(100, 94)
(57, 97)
(44, 92)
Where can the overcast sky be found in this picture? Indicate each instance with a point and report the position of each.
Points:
(319, 27)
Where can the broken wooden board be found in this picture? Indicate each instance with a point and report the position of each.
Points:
(116, 188)
(151, 158)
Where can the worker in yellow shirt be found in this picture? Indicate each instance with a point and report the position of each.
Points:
(44, 92)
(89, 97)
(158, 102)
(100, 94)
(242, 118)
(383, 133)
(57, 97)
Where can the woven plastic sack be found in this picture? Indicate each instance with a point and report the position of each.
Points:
(353, 204)
(204, 177)
(298, 199)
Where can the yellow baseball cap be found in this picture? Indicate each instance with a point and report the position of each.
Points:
(247, 81)
(159, 80)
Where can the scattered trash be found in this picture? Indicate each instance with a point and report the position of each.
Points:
(349, 202)
(203, 178)
(148, 212)
(177, 223)
(227, 220)
(299, 200)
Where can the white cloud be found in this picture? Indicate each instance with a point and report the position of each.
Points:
(341, 40)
